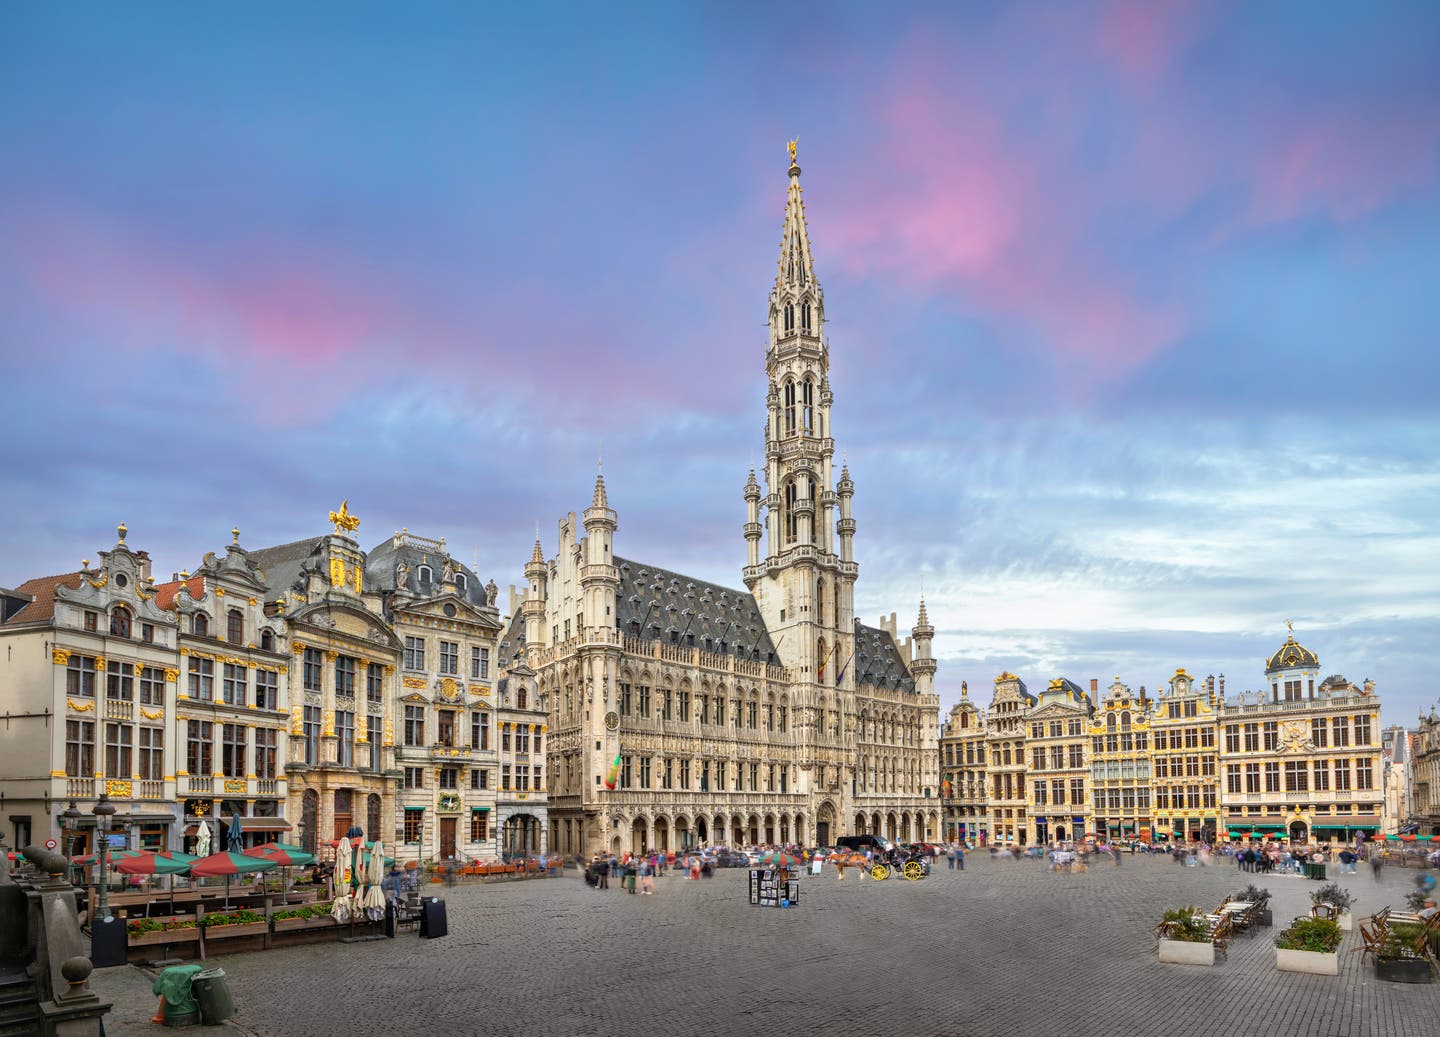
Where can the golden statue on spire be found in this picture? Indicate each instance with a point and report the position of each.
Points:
(344, 521)
(792, 146)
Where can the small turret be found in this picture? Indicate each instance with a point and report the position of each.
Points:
(599, 578)
(533, 607)
(753, 530)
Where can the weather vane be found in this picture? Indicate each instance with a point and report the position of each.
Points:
(792, 146)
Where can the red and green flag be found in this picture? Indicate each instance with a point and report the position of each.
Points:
(613, 778)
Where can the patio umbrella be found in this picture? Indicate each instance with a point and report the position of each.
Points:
(227, 864)
(283, 856)
(87, 859)
(233, 839)
(202, 840)
(162, 863)
(374, 900)
(340, 881)
(776, 859)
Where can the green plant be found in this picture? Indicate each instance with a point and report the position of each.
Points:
(1186, 924)
(1252, 894)
(242, 917)
(1333, 893)
(1321, 935)
(145, 925)
(1417, 898)
(1401, 943)
(308, 911)
(180, 923)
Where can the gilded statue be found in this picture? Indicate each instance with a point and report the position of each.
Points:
(344, 521)
(792, 146)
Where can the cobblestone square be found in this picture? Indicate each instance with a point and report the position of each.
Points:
(1000, 948)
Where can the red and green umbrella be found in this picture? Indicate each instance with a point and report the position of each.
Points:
(227, 863)
(776, 859)
(87, 859)
(281, 855)
(155, 864)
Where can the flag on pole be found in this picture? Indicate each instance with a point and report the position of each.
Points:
(841, 675)
(821, 674)
(614, 776)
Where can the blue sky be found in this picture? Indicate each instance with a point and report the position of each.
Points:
(1131, 306)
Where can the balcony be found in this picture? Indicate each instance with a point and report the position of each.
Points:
(445, 751)
(267, 787)
(194, 784)
(118, 709)
(151, 790)
(80, 788)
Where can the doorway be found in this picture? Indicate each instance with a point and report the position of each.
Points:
(447, 837)
(822, 833)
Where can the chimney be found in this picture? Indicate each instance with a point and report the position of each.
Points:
(1222, 685)
(174, 576)
(143, 557)
(1094, 685)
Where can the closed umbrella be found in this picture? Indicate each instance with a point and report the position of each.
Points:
(340, 881)
(374, 876)
(202, 840)
(234, 842)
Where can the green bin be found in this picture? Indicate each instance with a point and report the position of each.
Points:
(213, 994)
(173, 984)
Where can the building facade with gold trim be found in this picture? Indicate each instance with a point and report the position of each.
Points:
(683, 711)
(963, 790)
(1120, 767)
(1184, 760)
(1057, 749)
(1008, 797)
(1425, 776)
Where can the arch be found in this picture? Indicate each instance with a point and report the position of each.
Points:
(684, 838)
(267, 640)
(753, 830)
(875, 828)
(702, 833)
(737, 829)
(1060, 833)
(770, 829)
(789, 406)
(639, 835)
(785, 839)
(235, 626)
(720, 832)
(372, 816)
(825, 827)
(200, 624)
(860, 824)
(1125, 720)
(805, 315)
(892, 825)
(662, 834)
(807, 406)
(789, 316)
(1110, 722)
(120, 621)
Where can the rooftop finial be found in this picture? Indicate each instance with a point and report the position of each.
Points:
(793, 145)
(1290, 627)
(122, 531)
(235, 535)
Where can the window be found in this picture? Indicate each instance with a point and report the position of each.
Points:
(267, 640)
(152, 754)
(414, 777)
(1362, 730)
(479, 826)
(480, 730)
(345, 675)
(374, 684)
(310, 727)
(685, 774)
(682, 700)
(1252, 777)
(202, 679)
(1317, 732)
(1364, 773)
(625, 703)
(1296, 776)
(1272, 777)
(345, 731)
(152, 686)
(505, 738)
(89, 622)
(505, 776)
(449, 657)
(1077, 790)
(479, 778)
(1232, 777)
(1342, 775)
(233, 686)
(310, 669)
(520, 697)
(414, 725)
(80, 676)
(445, 726)
(1252, 738)
(752, 715)
(80, 748)
(449, 777)
(376, 735)
(119, 739)
(480, 663)
(460, 582)
(266, 739)
(267, 689)
(1272, 735)
(120, 680)
(1077, 757)
(719, 775)
(232, 750)
(522, 738)
(198, 749)
(522, 777)
(1321, 776)
(414, 653)
(120, 621)
(1341, 730)
(234, 627)
(1041, 793)
(414, 824)
(147, 633)
(784, 712)
(200, 625)
(667, 701)
(1039, 759)
(644, 702)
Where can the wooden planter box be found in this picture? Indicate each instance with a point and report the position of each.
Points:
(1180, 952)
(295, 925)
(1402, 970)
(163, 936)
(1314, 962)
(222, 932)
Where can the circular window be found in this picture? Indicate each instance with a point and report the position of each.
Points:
(450, 610)
(121, 579)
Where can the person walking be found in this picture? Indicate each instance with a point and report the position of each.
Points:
(951, 858)
(647, 876)
(960, 856)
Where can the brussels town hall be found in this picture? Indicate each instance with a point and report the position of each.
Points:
(682, 712)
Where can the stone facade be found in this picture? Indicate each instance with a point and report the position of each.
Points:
(1425, 778)
(963, 790)
(685, 712)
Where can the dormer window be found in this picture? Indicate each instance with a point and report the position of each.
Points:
(120, 621)
(200, 624)
(234, 626)
(267, 640)
(426, 575)
(461, 583)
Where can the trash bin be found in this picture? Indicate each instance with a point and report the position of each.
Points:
(178, 1004)
(433, 923)
(213, 995)
(1314, 870)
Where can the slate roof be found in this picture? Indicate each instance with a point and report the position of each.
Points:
(42, 589)
(284, 563)
(512, 642)
(878, 661)
(662, 601)
(383, 560)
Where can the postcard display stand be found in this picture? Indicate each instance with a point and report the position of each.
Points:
(767, 889)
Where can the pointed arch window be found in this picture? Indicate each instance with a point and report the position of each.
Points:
(789, 408)
(790, 512)
(789, 317)
(807, 410)
(805, 316)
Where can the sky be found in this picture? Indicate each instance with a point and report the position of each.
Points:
(1131, 306)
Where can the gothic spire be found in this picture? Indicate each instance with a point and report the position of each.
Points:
(796, 269)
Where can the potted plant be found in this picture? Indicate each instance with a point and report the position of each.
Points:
(297, 918)
(143, 932)
(1309, 945)
(1339, 898)
(1260, 897)
(1185, 937)
(233, 923)
(1398, 958)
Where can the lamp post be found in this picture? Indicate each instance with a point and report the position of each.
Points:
(69, 822)
(103, 811)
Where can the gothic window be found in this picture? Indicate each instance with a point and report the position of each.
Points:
(789, 317)
(790, 513)
(805, 316)
(821, 659)
(789, 408)
(808, 410)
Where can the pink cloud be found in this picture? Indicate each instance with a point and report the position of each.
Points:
(1144, 37)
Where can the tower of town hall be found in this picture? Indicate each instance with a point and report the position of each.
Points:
(685, 712)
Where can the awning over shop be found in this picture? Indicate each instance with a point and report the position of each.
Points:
(264, 824)
(419, 810)
(473, 810)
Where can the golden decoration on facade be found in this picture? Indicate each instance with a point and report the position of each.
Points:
(171, 675)
(297, 726)
(219, 592)
(99, 662)
(152, 714)
(343, 521)
(235, 787)
(413, 682)
(358, 573)
(793, 146)
(79, 707)
(60, 656)
(298, 647)
(329, 729)
(118, 789)
(337, 573)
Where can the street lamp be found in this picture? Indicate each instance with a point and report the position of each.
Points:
(69, 822)
(103, 811)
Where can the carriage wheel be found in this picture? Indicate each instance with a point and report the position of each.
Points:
(913, 871)
(879, 873)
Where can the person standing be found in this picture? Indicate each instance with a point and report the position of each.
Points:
(951, 857)
(960, 856)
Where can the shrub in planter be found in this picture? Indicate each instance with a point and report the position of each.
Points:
(1260, 897)
(1309, 945)
(1185, 939)
(1398, 959)
(1339, 897)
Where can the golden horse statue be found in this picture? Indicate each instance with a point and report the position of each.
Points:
(344, 521)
